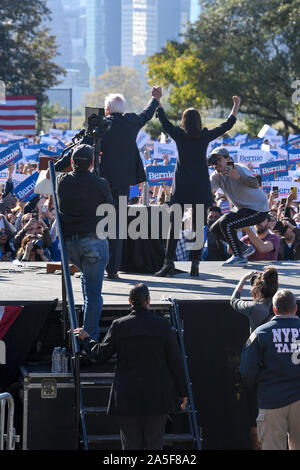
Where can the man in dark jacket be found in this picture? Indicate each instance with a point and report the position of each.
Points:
(79, 194)
(120, 163)
(270, 360)
(149, 381)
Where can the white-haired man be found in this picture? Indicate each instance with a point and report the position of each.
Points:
(120, 163)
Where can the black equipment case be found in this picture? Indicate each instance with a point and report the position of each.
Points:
(48, 409)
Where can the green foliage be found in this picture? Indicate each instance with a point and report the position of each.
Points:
(27, 50)
(237, 47)
(124, 80)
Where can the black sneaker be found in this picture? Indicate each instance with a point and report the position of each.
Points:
(112, 276)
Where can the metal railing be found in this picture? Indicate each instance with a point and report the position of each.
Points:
(69, 309)
(175, 321)
(9, 437)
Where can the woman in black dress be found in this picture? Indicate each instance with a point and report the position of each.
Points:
(191, 183)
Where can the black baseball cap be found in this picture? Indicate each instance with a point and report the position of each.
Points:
(83, 155)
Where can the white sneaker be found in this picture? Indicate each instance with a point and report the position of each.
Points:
(235, 261)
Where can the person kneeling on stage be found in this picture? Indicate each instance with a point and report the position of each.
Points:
(249, 201)
(79, 195)
(150, 381)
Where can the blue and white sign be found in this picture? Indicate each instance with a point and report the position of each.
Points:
(270, 170)
(160, 174)
(10, 155)
(25, 190)
(294, 155)
(164, 149)
(255, 157)
(253, 144)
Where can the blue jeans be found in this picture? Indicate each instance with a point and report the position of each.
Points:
(91, 257)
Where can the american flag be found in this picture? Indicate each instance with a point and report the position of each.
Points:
(17, 115)
(8, 315)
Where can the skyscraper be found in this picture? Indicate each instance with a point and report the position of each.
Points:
(172, 18)
(103, 35)
(139, 32)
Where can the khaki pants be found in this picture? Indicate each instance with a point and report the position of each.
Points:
(279, 428)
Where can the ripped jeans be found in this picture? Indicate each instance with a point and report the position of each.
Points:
(91, 256)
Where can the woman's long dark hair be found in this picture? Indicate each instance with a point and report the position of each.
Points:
(266, 284)
(191, 122)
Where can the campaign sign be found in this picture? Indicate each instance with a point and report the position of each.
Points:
(284, 188)
(10, 155)
(158, 175)
(55, 133)
(164, 149)
(294, 139)
(240, 138)
(134, 191)
(294, 155)
(142, 139)
(17, 178)
(255, 157)
(270, 170)
(25, 190)
(48, 153)
(253, 143)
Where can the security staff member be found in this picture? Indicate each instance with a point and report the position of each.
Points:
(150, 381)
(270, 360)
(79, 195)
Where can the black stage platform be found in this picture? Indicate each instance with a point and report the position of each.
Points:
(213, 332)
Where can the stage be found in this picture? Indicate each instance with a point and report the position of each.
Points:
(213, 337)
(31, 283)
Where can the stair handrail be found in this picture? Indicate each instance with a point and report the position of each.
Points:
(10, 437)
(70, 308)
(175, 317)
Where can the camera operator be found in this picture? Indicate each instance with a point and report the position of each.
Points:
(32, 249)
(249, 201)
(79, 193)
(289, 248)
(32, 225)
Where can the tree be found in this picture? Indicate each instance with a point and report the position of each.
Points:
(124, 80)
(27, 49)
(236, 47)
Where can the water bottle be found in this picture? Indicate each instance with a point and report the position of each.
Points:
(56, 360)
(145, 194)
(64, 361)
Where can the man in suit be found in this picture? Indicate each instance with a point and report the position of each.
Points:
(120, 163)
(150, 381)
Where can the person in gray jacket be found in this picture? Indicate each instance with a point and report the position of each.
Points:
(270, 360)
(250, 204)
(263, 287)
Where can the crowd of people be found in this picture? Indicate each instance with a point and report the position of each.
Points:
(241, 223)
(27, 229)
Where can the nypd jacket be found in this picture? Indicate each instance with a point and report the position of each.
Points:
(270, 360)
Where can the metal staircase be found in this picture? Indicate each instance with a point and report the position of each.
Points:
(94, 428)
